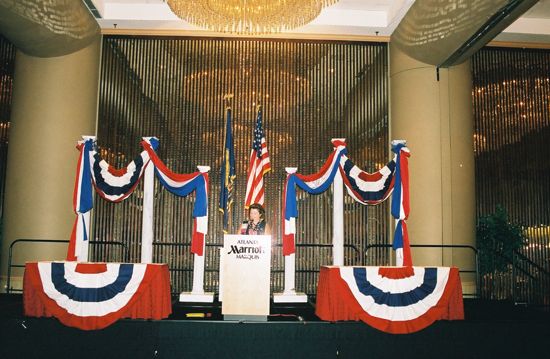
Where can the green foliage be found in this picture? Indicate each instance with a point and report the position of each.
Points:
(497, 239)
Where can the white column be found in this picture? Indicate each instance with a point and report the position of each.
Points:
(147, 222)
(338, 217)
(197, 293)
(289, 294)
(290, 274)
(398, 251)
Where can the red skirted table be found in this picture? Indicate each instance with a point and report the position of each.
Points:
(93, 296)
(396, 300)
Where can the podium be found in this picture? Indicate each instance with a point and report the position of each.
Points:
(245, 277)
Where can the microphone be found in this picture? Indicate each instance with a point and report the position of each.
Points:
(244, 226)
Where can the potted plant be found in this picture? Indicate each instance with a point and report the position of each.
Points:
(497, 240)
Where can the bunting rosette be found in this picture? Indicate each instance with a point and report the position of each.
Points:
(113, 185)
(313, 184)
(182, 185)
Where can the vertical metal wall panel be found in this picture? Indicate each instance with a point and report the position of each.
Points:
(311, 91)
(511, 134)
(7, 62)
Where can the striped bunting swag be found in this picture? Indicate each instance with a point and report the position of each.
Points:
(313, 184)
(113, 185)
(182, 185)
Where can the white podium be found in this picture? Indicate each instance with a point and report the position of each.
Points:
(245, 274)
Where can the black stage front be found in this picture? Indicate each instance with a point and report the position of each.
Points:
(491, 329)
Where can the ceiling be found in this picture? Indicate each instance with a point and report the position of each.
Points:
(347, 18)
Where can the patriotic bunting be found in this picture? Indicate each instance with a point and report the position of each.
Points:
(365, 188)
(94, 295)
(400, 204)
(115, 185)
(82, 202)
(313, 184)
(396, 300)
(394, 303)
(182, 185)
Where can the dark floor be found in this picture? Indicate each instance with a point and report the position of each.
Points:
(11, 306)
(491, 329)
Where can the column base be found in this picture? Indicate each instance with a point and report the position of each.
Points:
(197, 297)
(289, 297)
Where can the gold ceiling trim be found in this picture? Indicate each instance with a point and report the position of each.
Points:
(520, 44)
(210, 34)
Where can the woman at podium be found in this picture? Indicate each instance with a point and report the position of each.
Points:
(256, 223)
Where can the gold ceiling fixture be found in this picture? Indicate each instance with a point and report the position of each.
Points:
(248, 16)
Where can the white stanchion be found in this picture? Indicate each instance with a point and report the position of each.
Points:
(399, 251)
(338, 217)
(289, 294)
(197, 294)
(147, 222)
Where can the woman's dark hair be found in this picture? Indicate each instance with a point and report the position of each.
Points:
(259, 208)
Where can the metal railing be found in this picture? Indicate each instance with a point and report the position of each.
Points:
(176, 270)
(356, 251)
(523, 282)
(124, 255)
(190, 269)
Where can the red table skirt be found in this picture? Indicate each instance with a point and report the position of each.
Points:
(338, 300)
(88, 296)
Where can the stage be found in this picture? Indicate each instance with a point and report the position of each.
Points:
(490, 329)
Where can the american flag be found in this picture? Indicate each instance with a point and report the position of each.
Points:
(258, 166)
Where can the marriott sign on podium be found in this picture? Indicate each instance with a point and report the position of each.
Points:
(245, 276)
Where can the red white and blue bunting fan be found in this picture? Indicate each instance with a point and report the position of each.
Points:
(313, 184)
(403, 302)
(182, 185)
(113, 185)
(92, 300)
(367, 188)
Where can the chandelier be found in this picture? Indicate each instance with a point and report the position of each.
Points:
(248, 16)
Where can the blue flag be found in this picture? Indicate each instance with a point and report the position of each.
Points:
(227, 174)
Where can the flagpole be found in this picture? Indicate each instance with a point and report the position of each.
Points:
(227, 108)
